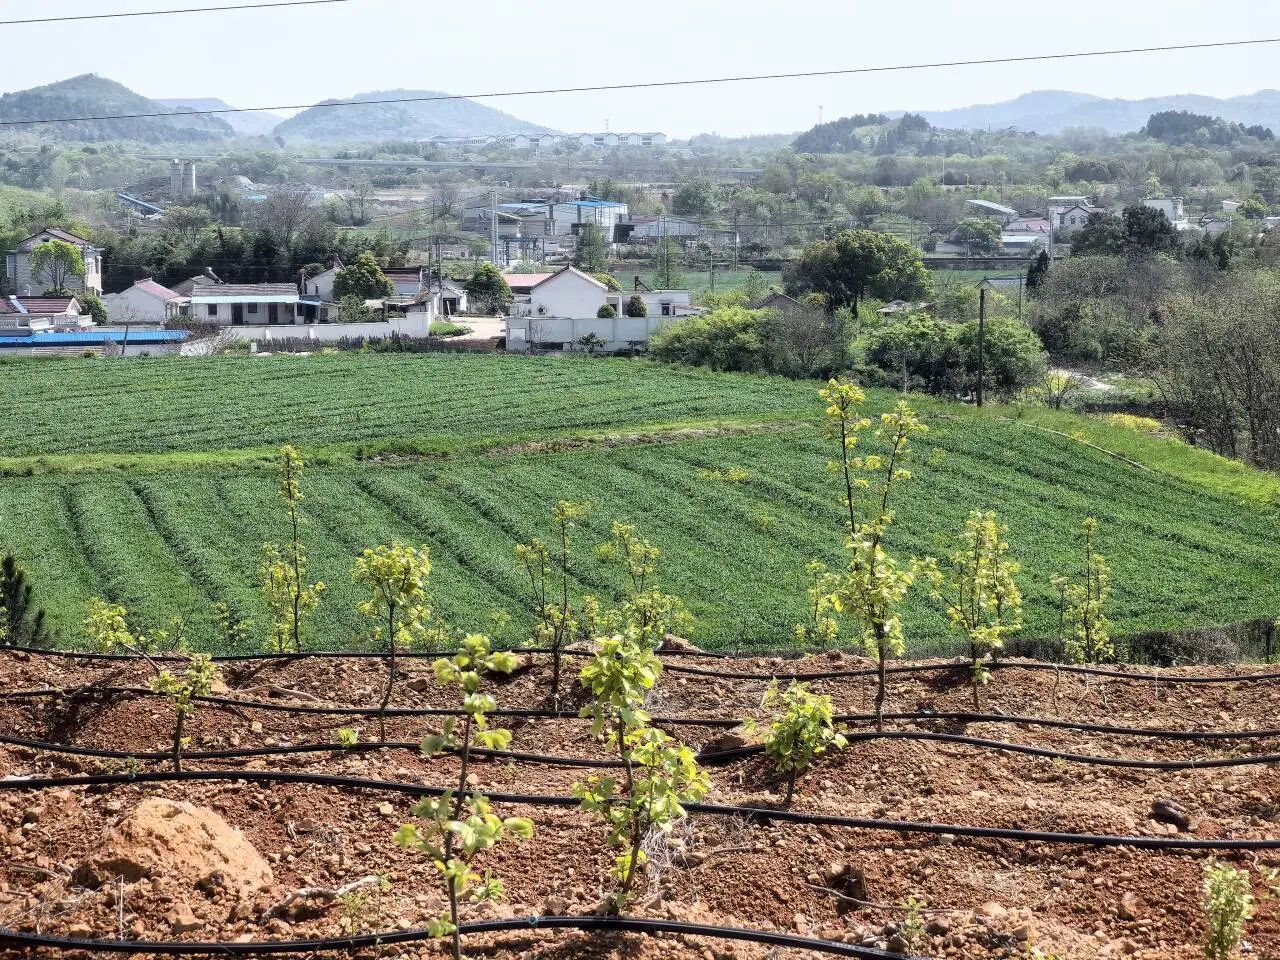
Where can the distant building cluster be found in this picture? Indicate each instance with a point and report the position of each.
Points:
(532, 141)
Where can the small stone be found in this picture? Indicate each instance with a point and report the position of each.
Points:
(255, 727)
(1022, 932)
(898, 944)
(992, 910)
(937, 927)
(181, 919)
(385, 809)
(80, 931)
(1128, 908)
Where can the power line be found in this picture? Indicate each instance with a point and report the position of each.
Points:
(162, 13)
(647, 85)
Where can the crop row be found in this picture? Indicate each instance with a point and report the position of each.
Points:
(170, 544)
(166, 405)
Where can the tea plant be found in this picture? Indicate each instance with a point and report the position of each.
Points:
(459, 827)
(197, 680)
(282, 572)
(660, 774)
(873, 586)
(397, 578)
(555, 615)
(801, 732)
(1228, 905)
(976, 586)
(1083, 628)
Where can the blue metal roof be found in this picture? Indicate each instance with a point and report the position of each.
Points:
(94, 339)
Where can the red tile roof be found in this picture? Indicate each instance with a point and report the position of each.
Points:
(156, 290)
(49, 306)
(524, 282)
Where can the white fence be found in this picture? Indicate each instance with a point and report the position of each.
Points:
(414, 325)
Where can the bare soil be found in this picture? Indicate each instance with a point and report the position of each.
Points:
(984, 898)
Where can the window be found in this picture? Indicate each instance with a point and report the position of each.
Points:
(253, 308)
(212, 309)
(666, 308)
(646, 141)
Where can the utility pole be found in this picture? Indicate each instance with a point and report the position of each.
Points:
(982, 336)
(493, 226)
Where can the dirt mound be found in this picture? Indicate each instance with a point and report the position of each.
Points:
(177, 840)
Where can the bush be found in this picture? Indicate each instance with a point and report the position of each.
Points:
(443, 328)
(607, 312)
(727, 339)
(636, 307)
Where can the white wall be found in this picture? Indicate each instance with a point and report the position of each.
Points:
(414, 325)
(569, 294)
(523, 331)
(134, 305)
(321, 285)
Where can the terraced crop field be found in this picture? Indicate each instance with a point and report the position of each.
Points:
(147, 482)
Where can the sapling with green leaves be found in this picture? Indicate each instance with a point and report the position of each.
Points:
(803, 729)
(196, 680)
(233, 630)
(553, 607)
(459, 827)
(660, 774)
(823, 628)
(872, 587)
(976, 585)
(397, 578)
(283, 571)
(1084, 629)
(1228, 905)
(648, 613)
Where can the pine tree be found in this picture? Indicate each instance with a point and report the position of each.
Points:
(1038, 270)
(21, 624)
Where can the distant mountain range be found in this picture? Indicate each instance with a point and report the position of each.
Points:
(93, 96)
(1052, 111)
(401, 121)
(251, 124)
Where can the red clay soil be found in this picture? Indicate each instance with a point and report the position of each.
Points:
(985, 898)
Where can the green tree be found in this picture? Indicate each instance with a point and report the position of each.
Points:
(694, 198)
(1148, 230)
(606, 312)
(591, 255)
(1038, 270)
(982, 235)
(666, 265)
(353, 309)
(636, 307)
(802, 732)
(92, 304)
(731, 338)
(56, 261)
(857, 264)
(1084, 631)
(488, 290)
(364, 279)
(1102, 234)
(1253, 209)
(22, 623)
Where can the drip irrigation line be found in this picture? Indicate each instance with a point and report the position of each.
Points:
(764, 815)
(644, 925)
(908, 668)
(1266, 733)
(716, 757)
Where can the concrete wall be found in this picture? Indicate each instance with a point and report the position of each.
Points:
(526, 332)
(134, 305)
(414, 325)
(286, 312)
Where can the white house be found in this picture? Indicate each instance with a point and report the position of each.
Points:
(146, 301)
(245, 304)
(566, 293)
(1071, 219)
(18, 264)
(24, 316)
(1172, 208)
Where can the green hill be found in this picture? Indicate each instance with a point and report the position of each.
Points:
(161, 492)
(93, 96)
(401, 121)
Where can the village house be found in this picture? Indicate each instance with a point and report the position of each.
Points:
(18, 264)
(144, 302)
(23, 316)
(244, 304)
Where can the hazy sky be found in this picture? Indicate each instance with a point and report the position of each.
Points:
(300, 55)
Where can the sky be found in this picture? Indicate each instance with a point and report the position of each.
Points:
(301, 55)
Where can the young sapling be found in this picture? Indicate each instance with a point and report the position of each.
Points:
(182, 689)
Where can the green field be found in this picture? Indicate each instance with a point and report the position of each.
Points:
(147, 482)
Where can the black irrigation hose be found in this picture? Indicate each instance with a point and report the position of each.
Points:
(1265, 733)
(965, 665)
(695, 671)
(29, 941)
(760, 814)
(723, 756)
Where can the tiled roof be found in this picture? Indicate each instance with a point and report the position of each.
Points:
(60, 234)
(244, 290)
(45, 305)
(526, 281)
(156, 290)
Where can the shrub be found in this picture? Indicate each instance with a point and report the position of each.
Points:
(802, 732)
(459, 827)
(1228, 905)
(636, 307)
(606, 312)
(731, 338)
(1129, 421)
